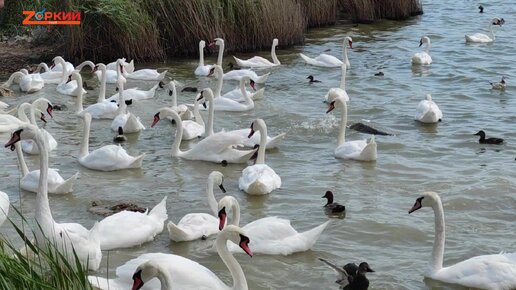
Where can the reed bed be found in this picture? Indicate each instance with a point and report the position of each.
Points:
(320, 12)
(367, 11)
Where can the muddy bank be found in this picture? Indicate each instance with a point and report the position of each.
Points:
(15, 55)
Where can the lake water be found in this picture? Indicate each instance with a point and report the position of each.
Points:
(476, 182)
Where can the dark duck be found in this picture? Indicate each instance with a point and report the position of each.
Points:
(333, 208)
(484, 140)
(353, 277)
(312, 79)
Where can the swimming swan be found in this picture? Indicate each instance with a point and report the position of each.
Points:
(258, 61)
(483, 38)
(327, 60)
(423, 57)
(427, 111)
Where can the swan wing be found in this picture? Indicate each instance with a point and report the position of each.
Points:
(422, 58)
(478, 37)
(192, 130)
(496, 271)
(193, 226)
(255, 61)
(350, 149)
(108, 158)
(30, 182)
(259, 179)
(103, 110)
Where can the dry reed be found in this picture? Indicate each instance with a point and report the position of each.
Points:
(319, 12)
(367, 11)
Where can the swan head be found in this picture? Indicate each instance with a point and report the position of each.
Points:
(348, 41)
(144, 273)
(171, 87)
(216, 177)
(256, 125)
(101, 67)
(237, 236)
(44, 105)
(216, 70)
(202, 44)
(206, 94)
(23, 132)
(57, 59)
(224, 204)
(24, 71)
(427, 199)
(275, 42)
(163, 113)
(429, 97)
(424, 39)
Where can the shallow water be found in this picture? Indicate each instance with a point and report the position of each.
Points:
(476, 182)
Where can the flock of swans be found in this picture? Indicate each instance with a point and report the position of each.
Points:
(268, 235)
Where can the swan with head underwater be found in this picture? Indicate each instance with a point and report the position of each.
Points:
(270, 235)
(494, 272)
(327, 60)
(427, 111)
(237, 74)
(423, 58)
(260, 178)
(359, 150)
(195, 226)
(242, 134)
(341, 90)
(483, 38)
(216, 148)
(260, 62)
(70, 239)
(176, 272)
(127, 120)
(107, 157)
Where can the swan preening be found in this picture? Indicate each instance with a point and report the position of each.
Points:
(427, 111)
(327, 60)
(360, 150)
(494, 272)
(195, 226)
(70, 239)
(423, 57)
(483, 38)
(258, 61)
(269, 235)
(173, 271)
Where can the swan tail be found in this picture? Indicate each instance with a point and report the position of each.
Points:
(130, 67)
(263, 78)
(176, 234)
(137, 163)
(258, 95)
(160, 211)
(162, 75)
(67, 185)
(311, 236)
(305, 58)
(239, 62)
(275, 141)
(369, 153)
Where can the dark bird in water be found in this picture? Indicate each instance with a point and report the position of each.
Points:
(353, 277)
(189, 89)
(120, 137)
(232, 66)
(59, 107)
(368, 129)
(129, 102)
(484, 140)
(481, 8)
(379, 74)
(499, 85)
(332, 208)
(312, 80)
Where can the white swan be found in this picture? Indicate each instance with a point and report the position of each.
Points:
(423, 57)
(238, 93)
(341, 90)
(182, 110)
(9, 122)
(224, 104)
(49, 76)
(258, 61)
(259, 179)
(192, 129)
(70, 239)
(30, 180)
(128, 228)
(105, 158)
(195, 226)
(216, 148)
(129, 67)
(239, 73)
(103, 109)
(494, 272)
(4, 206)
(67, 86)
(242, 134)
(144, 75)
(269, 235)
(127, 120)
(202, 69)
(29, 83)
(427, 111)
(327, 60)
(59, 63)
(39, 105)
(135, 94)
(176, 272)
(483, 38)
(358, 149)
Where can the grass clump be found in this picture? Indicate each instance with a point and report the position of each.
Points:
(320, 12)
(367, 11)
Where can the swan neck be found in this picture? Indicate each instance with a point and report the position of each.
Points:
(32, 114)
(103, 80)
(22, 114)
(343, 121)
(85, 143)
(122, 107)
(201, 55)
(247, 97)
(12, 77)
(438, 249)
(345, 52)
(43, 213)
(43, 66)
(263, 143)
(221, 54)
(198, 117)
(211, 114)
(179, 134)
(78, 102)
(235, 209)
(220, 80)
(21, 160)
(274, 57)
(211, 197)
(174, 94)
(164, 278)
(343, 77)
(239, 280)
(491, 30)
(427, 47)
